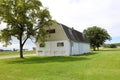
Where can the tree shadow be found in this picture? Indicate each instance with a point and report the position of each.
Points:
(35, 59)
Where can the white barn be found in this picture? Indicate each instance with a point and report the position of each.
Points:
(63, 41)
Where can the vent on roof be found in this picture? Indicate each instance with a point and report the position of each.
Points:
(70, 31)
(83, 36)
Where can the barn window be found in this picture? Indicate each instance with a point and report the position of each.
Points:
(51, 31)
(60, 44)
(42, 44)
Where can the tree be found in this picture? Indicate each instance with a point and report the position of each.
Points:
(97, 36)
(113, 46)
(25, 20)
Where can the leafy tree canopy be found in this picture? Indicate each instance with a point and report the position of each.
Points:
(25, 19)
(97, 36)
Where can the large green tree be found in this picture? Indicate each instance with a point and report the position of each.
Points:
(97, 36)
(25, 19)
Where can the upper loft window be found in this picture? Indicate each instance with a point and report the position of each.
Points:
(51, 31)
(60, 44)
(42, 44)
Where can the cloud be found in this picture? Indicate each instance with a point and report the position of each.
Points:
(15, 45)
(2, 25)
(81, 14)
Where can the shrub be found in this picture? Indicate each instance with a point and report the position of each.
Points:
(113, 46)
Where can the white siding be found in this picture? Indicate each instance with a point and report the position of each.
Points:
(69, 48)
(79, 48)
(51, 49)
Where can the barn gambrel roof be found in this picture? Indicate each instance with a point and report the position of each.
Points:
(74, 35)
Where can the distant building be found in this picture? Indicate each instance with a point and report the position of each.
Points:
(1, 50)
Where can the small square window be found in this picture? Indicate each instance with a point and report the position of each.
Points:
(51, 31)
(42, 44)
(60, 44)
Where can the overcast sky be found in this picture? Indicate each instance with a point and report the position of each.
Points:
(82, 14)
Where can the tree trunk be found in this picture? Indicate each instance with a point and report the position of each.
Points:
(21, 48)
(21, 51)
(94, 49)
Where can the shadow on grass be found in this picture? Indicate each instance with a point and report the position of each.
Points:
(34, 60)
(110, 50)
(87, 54)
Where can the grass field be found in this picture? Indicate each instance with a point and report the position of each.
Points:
(99, 65)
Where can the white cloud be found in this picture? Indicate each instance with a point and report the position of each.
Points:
(2, 25)
(81, 14)
(15, 45)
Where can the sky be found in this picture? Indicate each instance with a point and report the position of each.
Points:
(82, 14)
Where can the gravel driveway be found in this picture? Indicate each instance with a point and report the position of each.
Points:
(15, 56)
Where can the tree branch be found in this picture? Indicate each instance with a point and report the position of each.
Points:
(24, 41)
(37, 27)
(40, 25)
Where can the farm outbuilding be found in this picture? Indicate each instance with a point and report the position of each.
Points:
(63, 41)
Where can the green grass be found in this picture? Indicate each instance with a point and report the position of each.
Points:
(7, 53)
(99, 65)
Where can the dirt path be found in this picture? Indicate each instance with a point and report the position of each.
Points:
(15, 56)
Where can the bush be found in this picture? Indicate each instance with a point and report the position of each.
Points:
(113, 46)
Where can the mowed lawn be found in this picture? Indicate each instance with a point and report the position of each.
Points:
(99, 65)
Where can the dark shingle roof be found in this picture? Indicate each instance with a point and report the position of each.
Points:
(75, 35)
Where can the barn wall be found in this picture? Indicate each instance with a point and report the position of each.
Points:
(51, 49)
(79, 48)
